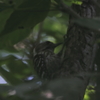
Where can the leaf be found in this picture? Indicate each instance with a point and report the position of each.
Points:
(19, 68)
(14, 37)
(27, 15)
(4, 54)
(9, 77)
(13, 66)
(4, 16)
(13, 3)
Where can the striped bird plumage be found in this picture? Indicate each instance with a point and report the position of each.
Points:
(46, 62)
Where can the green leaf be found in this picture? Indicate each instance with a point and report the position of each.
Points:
(27, 15)
(4, 16)
(13, 3)
(14, 37)
(19, 68)
(6, 54)
(9, 77)
(13, 66)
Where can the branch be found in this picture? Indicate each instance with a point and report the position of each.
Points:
(67, 9)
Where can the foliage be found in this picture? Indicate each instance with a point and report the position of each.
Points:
(20, 21)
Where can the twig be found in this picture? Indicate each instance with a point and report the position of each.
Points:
(67, 9)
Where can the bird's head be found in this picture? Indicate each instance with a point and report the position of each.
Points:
(45, 46)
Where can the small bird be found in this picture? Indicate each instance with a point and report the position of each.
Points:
(46, 62)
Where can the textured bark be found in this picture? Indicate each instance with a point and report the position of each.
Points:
(80, 48)
(98, 61)
(80, 43)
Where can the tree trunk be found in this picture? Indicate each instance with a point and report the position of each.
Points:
(80, 51)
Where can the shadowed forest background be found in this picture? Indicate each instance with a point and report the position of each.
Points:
(23, 23)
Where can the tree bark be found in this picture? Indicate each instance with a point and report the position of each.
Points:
(80, 50)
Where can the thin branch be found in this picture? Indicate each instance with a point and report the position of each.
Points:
(67, 9)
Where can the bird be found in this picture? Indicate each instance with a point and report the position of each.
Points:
(46, 62)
